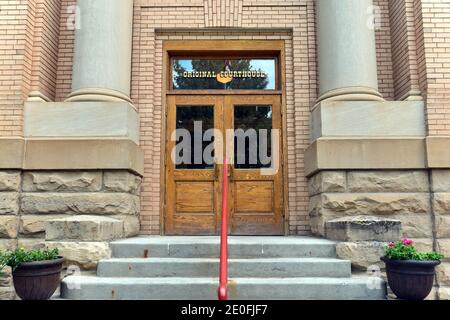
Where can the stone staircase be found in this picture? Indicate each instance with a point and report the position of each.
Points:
(176, 268)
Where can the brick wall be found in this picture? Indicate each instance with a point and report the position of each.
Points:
(65, 51)
(29, 39)
(404, 55)
(383, 44)
(16, 42)
(45, 47)
(433, 50)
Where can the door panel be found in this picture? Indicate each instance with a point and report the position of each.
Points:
(254, 196)
(192, 184)
(256, 206)
(194, 197)
(193, 189)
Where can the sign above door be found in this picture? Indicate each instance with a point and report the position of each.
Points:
(224, 74)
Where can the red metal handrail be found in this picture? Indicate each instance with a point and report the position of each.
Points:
(223, 273)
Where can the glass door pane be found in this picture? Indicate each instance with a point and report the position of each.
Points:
(192, 122)
(253, 136)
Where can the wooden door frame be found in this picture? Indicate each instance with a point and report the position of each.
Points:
(224, 47)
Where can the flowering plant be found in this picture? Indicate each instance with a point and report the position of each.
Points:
(405, 250)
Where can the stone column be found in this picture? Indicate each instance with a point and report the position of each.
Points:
(346, 50)
(102, 57)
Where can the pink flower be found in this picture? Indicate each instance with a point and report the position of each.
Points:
(407, 242)
(391, 244)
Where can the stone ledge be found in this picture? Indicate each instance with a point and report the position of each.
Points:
(80, 203)
(83, 154)
(71, 154)
(33, 226)
(401, 153)
(45, 181)
(84, 228)
(363, 228)
(364, 153)
(388, 181)
(438, 152)
(11, 153)
(371, 203)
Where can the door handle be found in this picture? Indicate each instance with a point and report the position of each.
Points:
(230, 172)
(216, 171)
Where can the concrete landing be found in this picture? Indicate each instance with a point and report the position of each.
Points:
(208, 247)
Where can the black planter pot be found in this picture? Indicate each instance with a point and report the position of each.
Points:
(410, 279)
(37, 280)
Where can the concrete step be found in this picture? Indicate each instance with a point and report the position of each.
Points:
(207, 267)
(96, 288)
(208, 247)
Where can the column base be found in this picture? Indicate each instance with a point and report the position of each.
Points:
(98, 94)
(367, 119)
(351, 94)
(80, 120)
(37, 96)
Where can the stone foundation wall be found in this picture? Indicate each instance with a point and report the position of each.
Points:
(419, 199)
(77, 212)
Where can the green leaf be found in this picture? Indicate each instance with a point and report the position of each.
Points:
(14, 258)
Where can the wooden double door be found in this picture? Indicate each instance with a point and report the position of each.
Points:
(200, 131)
